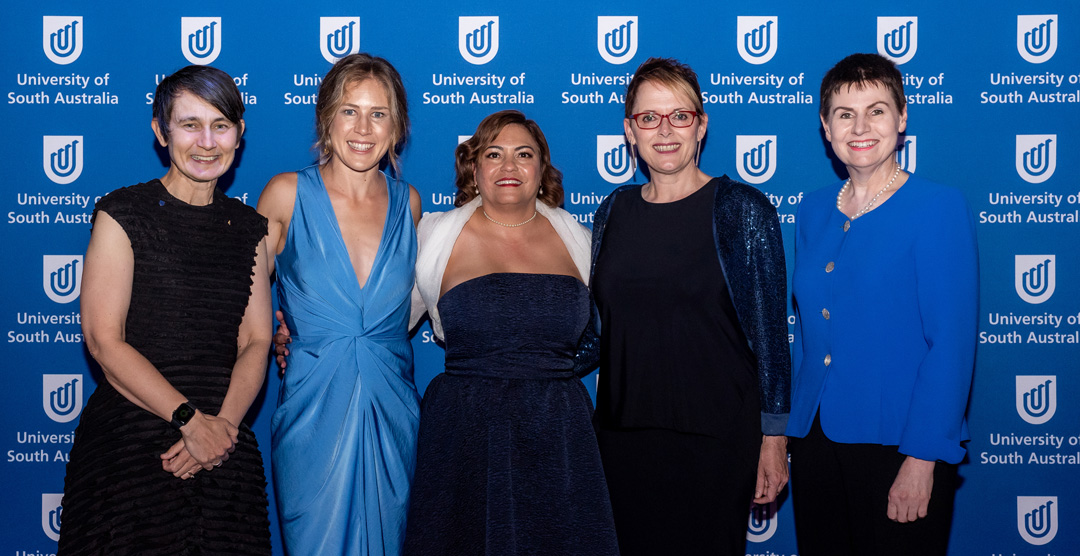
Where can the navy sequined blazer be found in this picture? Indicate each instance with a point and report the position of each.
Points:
(751, 252)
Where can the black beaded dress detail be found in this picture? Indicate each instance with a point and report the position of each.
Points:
(191, 284)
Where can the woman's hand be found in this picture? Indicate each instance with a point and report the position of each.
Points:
(772, 473)
(910, 492)
(179, 462)
(282, 339)
(209, 439)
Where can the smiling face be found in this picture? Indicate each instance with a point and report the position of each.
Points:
(362, 129)
(863, 125)
(665, 149)
(508, 170)
(201, 140)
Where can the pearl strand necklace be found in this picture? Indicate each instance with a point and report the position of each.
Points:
(510, 225)
(847, 184)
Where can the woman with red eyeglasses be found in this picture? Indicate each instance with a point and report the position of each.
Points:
(689, 279)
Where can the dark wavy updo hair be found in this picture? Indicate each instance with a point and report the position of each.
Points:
(467, 156)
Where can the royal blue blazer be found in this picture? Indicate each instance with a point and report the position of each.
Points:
(886, 310)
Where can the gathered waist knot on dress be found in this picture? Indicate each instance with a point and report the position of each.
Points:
(373, 336)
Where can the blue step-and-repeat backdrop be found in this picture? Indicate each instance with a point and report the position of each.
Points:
(993, 91)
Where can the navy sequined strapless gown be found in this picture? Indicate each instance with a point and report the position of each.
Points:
(507, 461)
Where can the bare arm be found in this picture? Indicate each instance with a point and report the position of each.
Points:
(105, 299)
(253, 342)
(415, 205)
(276, 204)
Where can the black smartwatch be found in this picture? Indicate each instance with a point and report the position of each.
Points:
(182, 415)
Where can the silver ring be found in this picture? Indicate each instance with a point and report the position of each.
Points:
(218, 464)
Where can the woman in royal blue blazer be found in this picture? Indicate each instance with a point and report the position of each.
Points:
(886, 292)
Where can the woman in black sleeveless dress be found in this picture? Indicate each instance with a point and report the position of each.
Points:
(175, 307)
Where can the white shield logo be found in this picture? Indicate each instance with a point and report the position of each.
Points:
(1036, 398)
(338, 37)
(763, 522)
(755, 157)
(61, 277)
(905, 157)
(1037, 518)
(1035, 277)
(62, 38)
(613, 159)
(756, 37)
(898, 38)
(462, 138)
(1036, 37)
(50, 514)
(200, 39)
(62, 157)
(62, 396)
(616, 38)
(1036, 157)
(478, 38)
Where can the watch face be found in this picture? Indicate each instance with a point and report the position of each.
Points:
(184, 413)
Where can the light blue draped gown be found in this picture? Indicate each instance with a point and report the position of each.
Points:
(344, 434)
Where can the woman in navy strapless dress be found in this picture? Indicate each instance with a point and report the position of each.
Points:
(507, 461)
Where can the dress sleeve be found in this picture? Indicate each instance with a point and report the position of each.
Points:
(947, 289)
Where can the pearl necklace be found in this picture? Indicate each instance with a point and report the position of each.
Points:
(847, 184)
(510, 225)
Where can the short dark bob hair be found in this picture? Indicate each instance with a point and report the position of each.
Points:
(861, 71)
(210, 84)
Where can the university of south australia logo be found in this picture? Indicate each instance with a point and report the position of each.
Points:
(200, 39)
(1036, 157)
(905, 157)
(763, 522)
(338, 37)
(62, 38)
(50, 514)
(755, 157)
(62, 397)
(898, 38)
(62, 277)
(613, 159)
(62, 157)
(757, 37)
(1035, 277)
(1036, 398)
(1036, 37)
(478, 38)
(1037, 518)
(616, 38)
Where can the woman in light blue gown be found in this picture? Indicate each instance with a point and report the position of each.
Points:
(343, 438)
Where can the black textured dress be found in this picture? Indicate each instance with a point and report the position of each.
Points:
(507, 462)
(192, 280)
